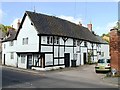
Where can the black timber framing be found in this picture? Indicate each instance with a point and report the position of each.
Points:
(58, 45)
(53, 50)
(59, 52)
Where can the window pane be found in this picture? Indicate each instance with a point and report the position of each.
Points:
(22, 58)
(57, 40)
(48, 40)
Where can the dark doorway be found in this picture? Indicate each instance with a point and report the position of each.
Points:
(67, 59)
(4, 59)
(84, 58)
(42, 60)
(29, 61)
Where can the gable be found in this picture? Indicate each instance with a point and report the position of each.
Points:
(27, 31)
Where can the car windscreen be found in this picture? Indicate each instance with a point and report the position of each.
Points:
(108, 60)
(101, 61)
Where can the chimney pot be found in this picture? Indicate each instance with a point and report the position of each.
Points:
(18, 24)
(89, 26)
(80, 24)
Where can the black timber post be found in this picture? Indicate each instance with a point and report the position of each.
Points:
(92, 52)
(53, 50)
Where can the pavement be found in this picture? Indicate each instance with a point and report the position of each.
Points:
(78, 72)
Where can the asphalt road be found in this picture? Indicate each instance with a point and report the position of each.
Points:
(83, 77)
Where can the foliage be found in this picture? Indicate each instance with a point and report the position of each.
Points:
(89, 57)
(4, 28)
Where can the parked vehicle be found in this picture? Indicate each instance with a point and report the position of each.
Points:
(103, 65)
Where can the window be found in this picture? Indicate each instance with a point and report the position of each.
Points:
(57, 40)
(85, 43)
(44, 39)
(54, 39)
(22, 58)
(11, 43)
(25, 41)
(74, 42)
(48, 40)
(11, 55)
(102, 54)
(51, 39)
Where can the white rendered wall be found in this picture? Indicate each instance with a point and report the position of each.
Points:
(7, 49)
(29, 31)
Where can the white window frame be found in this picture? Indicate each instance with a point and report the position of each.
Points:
(25, 41)
(23, 57)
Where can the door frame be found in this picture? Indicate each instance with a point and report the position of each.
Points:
(85, 58)
(67, 59)
(28, 66)
(4, 59)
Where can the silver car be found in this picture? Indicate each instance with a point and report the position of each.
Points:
(103, 65)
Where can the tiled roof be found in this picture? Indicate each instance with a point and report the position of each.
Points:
(101, 40)
(50, 25)
(11, 36)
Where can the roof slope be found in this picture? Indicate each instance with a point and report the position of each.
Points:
(11, 36)
(50, 25)
(101, 40)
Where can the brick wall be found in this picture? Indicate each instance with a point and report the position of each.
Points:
(115, 49)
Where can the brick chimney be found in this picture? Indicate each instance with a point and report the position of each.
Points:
(18, 23)
(115, 49)
(89, 26)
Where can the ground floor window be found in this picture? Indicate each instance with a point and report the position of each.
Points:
(23, 59)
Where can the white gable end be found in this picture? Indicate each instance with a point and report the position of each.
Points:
(28, 31)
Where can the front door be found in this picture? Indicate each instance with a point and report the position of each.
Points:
(67, 59)
(84, 58)
(29, 61)
(4, 59)
(42, 60)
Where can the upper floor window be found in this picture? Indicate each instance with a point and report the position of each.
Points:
(11, 43)
(50, 40)
(57, 40)
(74, 42)
(25, 41)
(85, 43)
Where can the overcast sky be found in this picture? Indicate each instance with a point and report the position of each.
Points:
(103, 15)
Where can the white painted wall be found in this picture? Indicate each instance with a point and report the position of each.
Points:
(7, 49)
(105, 50)
(22, 65)
(29, 31)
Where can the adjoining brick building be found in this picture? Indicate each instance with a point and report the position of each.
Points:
(115, 49)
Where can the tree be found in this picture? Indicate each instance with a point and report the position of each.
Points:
(117, 25)
(4, 28)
